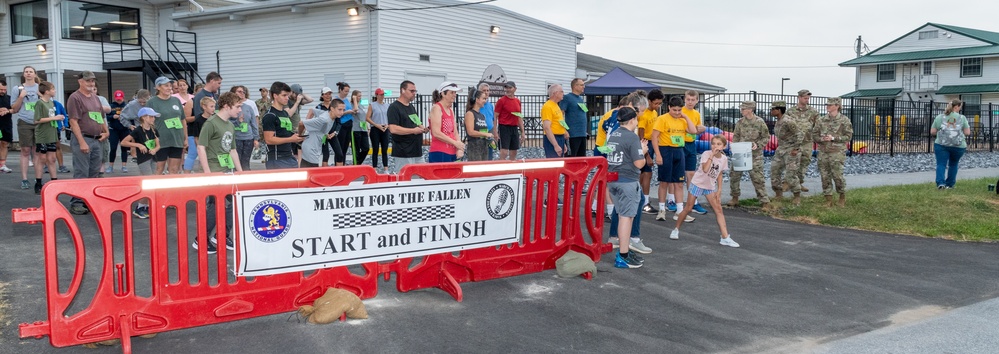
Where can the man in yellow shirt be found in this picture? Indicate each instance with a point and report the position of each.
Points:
(646, 123)
(669, 132)
(690, 99)
(553, 122)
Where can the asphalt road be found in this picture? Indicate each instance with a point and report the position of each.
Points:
(791, 288)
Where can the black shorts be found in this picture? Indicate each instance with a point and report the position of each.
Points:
(509, 137)
(690, 157)
(169, 153)
(6, 129)
(652, 153)
(46, 148)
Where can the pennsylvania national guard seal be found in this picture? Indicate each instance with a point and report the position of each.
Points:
(500, 201)
(271, 220)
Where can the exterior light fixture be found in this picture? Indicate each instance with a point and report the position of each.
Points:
(353, 11)
(42, 48)
(494, 29)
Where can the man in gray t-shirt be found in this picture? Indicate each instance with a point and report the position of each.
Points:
(317, 132)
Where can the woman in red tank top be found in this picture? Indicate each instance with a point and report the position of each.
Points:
(444, 144)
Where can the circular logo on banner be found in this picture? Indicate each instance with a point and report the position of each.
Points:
(499, 201)
(271, 220)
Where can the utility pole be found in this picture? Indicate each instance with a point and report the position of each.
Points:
(859, 51)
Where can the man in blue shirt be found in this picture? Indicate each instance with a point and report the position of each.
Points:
(488, 110)
(575, 110)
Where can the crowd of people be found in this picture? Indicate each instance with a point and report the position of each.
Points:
(169, 130)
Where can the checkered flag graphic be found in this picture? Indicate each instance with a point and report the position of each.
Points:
(394, 216)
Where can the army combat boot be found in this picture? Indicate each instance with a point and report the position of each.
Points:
(797, 199)
(734, 202)
(829, 201)
(842, 199)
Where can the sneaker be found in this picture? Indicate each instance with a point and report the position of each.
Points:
(699, 209)
(630, 262)
(661, 215)
(124, 169)
(228, 243)
(638, 246)
(941, 186)
(686, 219)
(637, 257)
(728, 241)
(648, 209)
(141, 213)
(110, 169)
(78, 208)
(24, 184)
(5, 169)
(31, 163)
(948, 187)
(615, 242)
(671, 206)
(38, 187)
(211, 247)
(675, 234)
(63, 169)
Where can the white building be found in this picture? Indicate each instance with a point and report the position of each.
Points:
(934, 62)
(314, 43)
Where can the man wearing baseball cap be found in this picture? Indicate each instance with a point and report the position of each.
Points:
(510, 131)
(806, 116)
(86, 120)
(626, 156)
(784, 165)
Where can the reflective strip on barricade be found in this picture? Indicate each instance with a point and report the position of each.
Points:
(183, 293)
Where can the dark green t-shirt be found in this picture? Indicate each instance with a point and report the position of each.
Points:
(170, 123)
(45, 133)
(217, 135)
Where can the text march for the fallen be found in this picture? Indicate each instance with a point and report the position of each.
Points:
(292, 230)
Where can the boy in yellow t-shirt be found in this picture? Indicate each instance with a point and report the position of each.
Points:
(690, 99)
(669, 131)
(646, 123)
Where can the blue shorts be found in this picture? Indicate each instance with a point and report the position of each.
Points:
(550, 149)
(671, 171)
(699, 192)
(652, 153)
(690, 157)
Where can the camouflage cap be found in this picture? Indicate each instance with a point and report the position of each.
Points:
(834, 101)
(748, 105)
(777, 104)
(804, 92)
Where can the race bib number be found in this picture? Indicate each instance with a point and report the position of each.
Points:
(364, 125)
(416, 119)
(243, 127)
(96, 116)
(563, 124)
(150, 144)
(226, 161)
(677, 140)
(583, 107)
(286, 124)
(30, 106)
(518, 114)
(322, 139)
(173, 123)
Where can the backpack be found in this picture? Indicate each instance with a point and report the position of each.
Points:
(951, 132)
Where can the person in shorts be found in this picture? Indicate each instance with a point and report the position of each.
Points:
(406, 127)
(144, 143)
(46, 134)
(646, 121)
(510, 130)
(668, 132)
(171, 126)
(22, 104)
(625, 156)
(690, 99)
(707, 182)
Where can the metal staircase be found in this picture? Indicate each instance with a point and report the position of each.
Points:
(181, 61)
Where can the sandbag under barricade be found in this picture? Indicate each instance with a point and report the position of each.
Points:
(573, 264)
(331, 305)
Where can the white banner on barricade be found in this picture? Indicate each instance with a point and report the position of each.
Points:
(291, 230)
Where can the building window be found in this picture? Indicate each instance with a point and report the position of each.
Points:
(29, 21)
(100, 23)
(972, 105)
(971, 67)
(927, 68)
(886, 72)
(929, 34)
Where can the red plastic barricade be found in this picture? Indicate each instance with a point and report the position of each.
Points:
(194, 290)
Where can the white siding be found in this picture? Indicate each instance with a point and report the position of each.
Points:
(460, 46)
(912, 43)
(289, 47)
(14, 56)
(869, 78)
(76, 55)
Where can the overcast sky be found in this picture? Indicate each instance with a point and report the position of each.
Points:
(758, 26)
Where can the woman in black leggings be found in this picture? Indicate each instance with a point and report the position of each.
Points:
(346, 122)
(377, 118)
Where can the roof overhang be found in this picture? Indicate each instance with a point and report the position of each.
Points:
(962, 89)
(252, 9)
(873, 93)
(915, 57)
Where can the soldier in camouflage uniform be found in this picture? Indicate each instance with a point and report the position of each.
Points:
(805, 115)
(832, 132)
(753, 129)
(786, 158)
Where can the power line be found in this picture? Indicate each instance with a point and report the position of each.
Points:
(721, 43)
(434, 7)
(736, 66)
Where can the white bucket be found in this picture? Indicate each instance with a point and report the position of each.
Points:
(742, 156)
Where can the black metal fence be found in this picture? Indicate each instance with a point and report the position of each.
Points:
(880, 126)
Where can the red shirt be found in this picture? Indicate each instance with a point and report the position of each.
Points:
(505, 108)
(447, 127)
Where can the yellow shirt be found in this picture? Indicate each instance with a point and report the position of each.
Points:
(695, 117)
(646, 121)
(671, 130)
(601, 134)
(552, 113)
